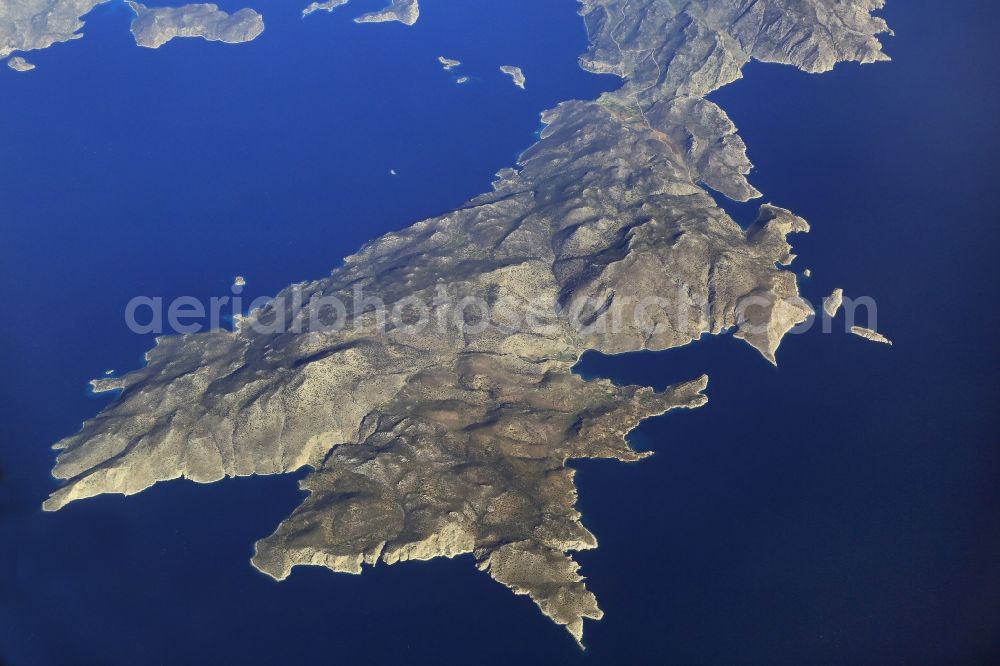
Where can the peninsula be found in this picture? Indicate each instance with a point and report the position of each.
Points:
(28, 25)
(604, 234)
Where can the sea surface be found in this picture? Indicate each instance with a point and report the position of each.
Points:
(842, 508)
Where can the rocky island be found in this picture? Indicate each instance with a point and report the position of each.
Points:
(327, 6)
(449, 63)
(514, 73)
(405, 11)
(19, 64)
(870, 335)
(604, 235)
(832, 303)
(154, 27)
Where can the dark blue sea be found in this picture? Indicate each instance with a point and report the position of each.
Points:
(841, 509)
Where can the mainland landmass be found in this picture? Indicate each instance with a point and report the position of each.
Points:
(422, 446)
(28, 25)
(515, 74)
(155, 26)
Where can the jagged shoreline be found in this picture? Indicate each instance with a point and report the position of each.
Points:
(425, 446)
